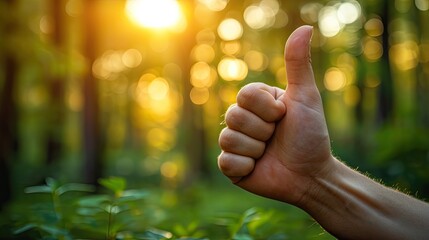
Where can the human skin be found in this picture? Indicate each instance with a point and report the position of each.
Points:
(276, 144)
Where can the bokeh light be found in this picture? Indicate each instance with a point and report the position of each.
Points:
(203, 52)
(263, 15)
(154, 14)
(333, 18)
(202, 75)
(335, 79)
(214, 5)
(352, 96)
(199, 96)
(230, 29)
(256, 61)
(231, 48)
(160, 138)
(132, 58)
(404, 55)
(231, 69)
(158, 89)
(372, 49)
(329, 24)
(169, 169)
(310, 12)
(349, 12)
(422, 5)
(374, 27)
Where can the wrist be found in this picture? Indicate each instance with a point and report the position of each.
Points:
(313, 189)
(346, 202)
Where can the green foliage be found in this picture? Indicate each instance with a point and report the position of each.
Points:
(74, 211)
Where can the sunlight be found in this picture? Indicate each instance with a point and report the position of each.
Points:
(214, 5)
(202, 75)
(349, 12)
(262, 15)
(405, 55)
(169, 169)
(231, 69)
(372, 49)
(199, 96)
(230, 29)
(335, 79)
(154, 14)
(158, 89)
(256, 61)
(329, 23)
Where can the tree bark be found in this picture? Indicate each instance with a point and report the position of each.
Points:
(92, 162)
(8, 116)
(56, 87)
(192, 118)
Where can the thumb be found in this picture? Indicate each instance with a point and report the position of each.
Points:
(299, 72)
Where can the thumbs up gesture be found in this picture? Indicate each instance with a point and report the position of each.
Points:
(276, 144)
(276, 140)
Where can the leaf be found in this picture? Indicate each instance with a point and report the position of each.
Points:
(251, 215)
(38, 189)
(24, 228)
(241, 236)
(113, 209)
(53, 230)
(133, 195)
(116, 184)
(94, 201)
(52, 183)
(77, 187)
(155, 234)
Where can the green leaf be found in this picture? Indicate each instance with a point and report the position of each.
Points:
(156, 234)
(53, 230)
(52, 183)
(242, 236)
(77, 187)
(38, 189)
(94, 201)
(85, 211)
(133, 195)
(113, 209)
(25, 228)
(251, 215)
(116, 184)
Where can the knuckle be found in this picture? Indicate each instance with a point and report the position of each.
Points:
(226, 139)
(235, 165)
(247, 94)
(224, 163)
(234, 119)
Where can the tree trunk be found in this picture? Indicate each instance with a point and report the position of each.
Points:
(92, 161)
(192, 119)
(8, 116)
(385, 106)
(56, 87)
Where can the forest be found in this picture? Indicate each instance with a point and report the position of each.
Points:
(111, 110)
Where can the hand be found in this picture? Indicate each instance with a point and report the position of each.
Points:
(277, 141)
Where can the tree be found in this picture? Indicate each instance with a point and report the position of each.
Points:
(8, 112)
(92, 161)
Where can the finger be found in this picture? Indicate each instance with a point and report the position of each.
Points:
(300, 77)
(262, 100)
(242, 120)
(235, 166)
(236, 142)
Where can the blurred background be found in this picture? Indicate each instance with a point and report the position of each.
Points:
(138, 88)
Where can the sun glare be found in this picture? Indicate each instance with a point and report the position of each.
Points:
(154, 14)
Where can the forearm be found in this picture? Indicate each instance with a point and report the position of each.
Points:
(352, 206)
